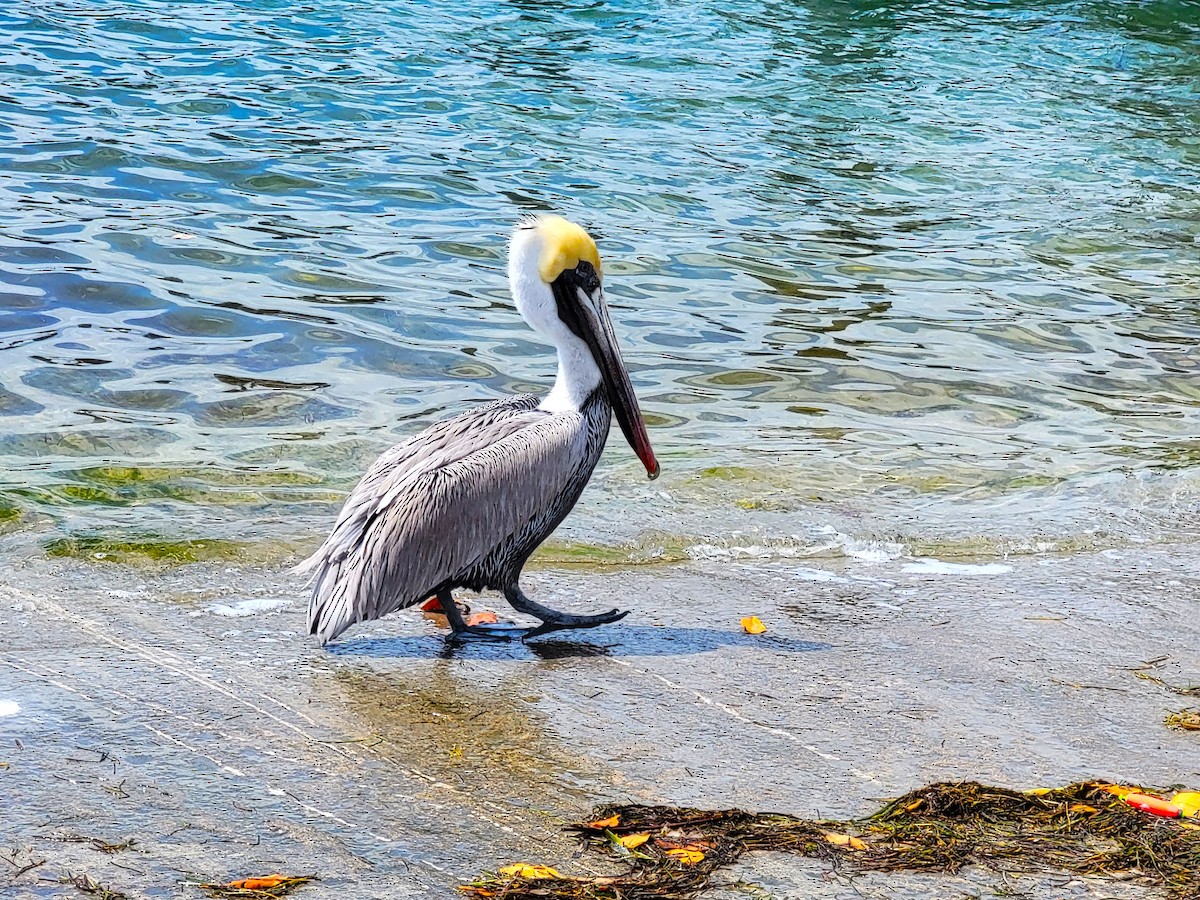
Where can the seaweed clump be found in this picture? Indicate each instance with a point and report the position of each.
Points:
(672, 853)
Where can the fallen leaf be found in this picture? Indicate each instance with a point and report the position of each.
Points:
(258, 884)
(845, 840)
(1184, 720)
(753, 625)
(525, 870)
(1117, 790)
(1082, 809)
(632, 841)
(610, 822)
(1038, 792)
(1188, 803)
(688, 856)
(483, 618)
(275, 884)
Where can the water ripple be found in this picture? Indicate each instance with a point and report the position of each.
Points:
(938, 250)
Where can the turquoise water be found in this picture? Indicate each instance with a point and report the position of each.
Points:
(925, 271)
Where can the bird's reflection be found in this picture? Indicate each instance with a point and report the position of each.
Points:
(629, 640)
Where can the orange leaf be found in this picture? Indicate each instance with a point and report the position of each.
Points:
(688, 856)
(483, 618)
(845, 840)
(1117, 790)
(753, 625)
(610, 822)
(258, 884)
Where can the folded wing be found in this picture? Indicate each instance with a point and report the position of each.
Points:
(433, 507)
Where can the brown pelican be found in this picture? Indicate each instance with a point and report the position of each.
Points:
(465, 502)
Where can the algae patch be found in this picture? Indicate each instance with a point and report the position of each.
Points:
(125, 486)
(580, 555)
(461, 731)
(149, 551)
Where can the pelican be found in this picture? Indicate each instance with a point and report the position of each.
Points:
(464, 503)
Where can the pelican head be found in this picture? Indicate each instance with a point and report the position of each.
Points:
(556, 277)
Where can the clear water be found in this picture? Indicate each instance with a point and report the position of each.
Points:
(927, 271)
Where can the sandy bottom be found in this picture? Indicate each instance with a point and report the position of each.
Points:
(185, 710)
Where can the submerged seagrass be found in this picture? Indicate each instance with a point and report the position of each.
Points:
(1079, 828)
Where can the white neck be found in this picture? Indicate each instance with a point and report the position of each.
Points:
(577, 377)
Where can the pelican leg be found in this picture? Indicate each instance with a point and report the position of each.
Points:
(552, 620)
(461, 631)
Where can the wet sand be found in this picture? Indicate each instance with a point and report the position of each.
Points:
(184, 709)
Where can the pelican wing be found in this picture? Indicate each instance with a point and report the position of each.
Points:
(431, 508)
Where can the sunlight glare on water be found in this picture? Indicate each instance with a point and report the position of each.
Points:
(901, 261)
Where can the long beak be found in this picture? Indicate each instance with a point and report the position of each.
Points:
(595, 327)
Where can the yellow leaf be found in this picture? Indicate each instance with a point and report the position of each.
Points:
(1082, 809)
(610, 822)
(1189, 802)
(753, 625)
(525, 870)
(685, 855)
(845, 840)
(1039, 792)
(632, 841)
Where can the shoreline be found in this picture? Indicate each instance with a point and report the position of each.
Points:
(389, 764)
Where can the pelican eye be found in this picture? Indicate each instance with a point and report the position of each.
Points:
(589, 280)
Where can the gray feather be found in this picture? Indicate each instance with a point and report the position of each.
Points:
(462, 504)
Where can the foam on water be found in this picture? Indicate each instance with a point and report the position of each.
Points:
(251, 607)
(938, 567)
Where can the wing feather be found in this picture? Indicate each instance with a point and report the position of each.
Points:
(430, 509)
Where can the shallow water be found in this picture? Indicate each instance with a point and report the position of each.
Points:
(905, 272)
(395, 765)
